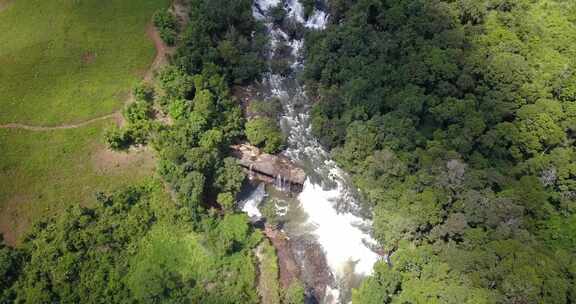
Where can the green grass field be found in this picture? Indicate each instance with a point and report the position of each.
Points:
(42, 173)
(65, 61)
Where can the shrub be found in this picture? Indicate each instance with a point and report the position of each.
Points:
(137, 112)
(117, 139)
(166, 24)
(270, 108)
(265, 133)
(143, 92)
(226, 200)
(176, 83)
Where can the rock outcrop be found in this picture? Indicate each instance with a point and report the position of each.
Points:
(273, 169)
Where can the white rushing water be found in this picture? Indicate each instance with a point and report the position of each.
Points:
(250, 205)
(339, 233)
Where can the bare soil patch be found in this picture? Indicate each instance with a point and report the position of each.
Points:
(12, 225)
(88, 57)
(107, 161)
(4, 4)
(162, 52)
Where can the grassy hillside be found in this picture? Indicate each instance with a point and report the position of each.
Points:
(67, 60)
(42, 173)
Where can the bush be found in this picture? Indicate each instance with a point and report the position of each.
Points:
(265, 133)
(137, 112)
(226, 201)
(270, 108)
(166, 24)
(143, 92)
(168, 35)
(176, 83)
(117, 139)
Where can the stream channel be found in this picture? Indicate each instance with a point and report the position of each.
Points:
(327, 230)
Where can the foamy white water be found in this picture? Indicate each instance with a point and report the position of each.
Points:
(338, 232)
(341, 239)
(251, 204)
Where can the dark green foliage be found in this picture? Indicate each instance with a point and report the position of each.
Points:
(133, 246)
(224, 37)
(309, 6)
(456, 121)
(193, 150)
(11, 261)
(117, 139)
(166, 24)
(143, 92)
(262, 129)
(265, 133)
(270, 108)
(175, 83)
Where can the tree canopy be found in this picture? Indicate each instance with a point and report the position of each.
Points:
(456, 121)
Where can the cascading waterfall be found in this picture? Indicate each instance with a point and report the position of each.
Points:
(328, 201)
(251, 203)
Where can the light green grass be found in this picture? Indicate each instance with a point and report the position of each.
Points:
(268, 285)
(41, 173)
(65, 61)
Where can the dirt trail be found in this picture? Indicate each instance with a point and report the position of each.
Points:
(161, 58)
(116, 115)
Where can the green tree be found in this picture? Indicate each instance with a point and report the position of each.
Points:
(264, 133)
(230, 176)
(175, 83)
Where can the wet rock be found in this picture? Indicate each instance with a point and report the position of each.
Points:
(314, 269)
(289, 271)
(272, 169)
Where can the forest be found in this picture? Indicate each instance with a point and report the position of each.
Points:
(457, 120)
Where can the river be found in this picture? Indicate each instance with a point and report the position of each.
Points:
(326, 216)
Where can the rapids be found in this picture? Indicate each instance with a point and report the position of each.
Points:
(332, 212)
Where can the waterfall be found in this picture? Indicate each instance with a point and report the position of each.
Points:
(328, 201)
(250, 171)
(250, 205)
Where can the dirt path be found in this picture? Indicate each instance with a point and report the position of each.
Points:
(162, 52)
(161, 58)
(116, 115)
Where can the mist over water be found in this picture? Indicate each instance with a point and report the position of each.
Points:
(332, 213)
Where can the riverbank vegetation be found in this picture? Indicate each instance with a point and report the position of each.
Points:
(178, 239)
(262, 127)
(132, 246)
(457, 122)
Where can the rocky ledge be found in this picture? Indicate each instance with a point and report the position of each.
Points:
(273, 169)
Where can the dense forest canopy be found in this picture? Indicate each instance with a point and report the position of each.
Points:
(457, 120)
